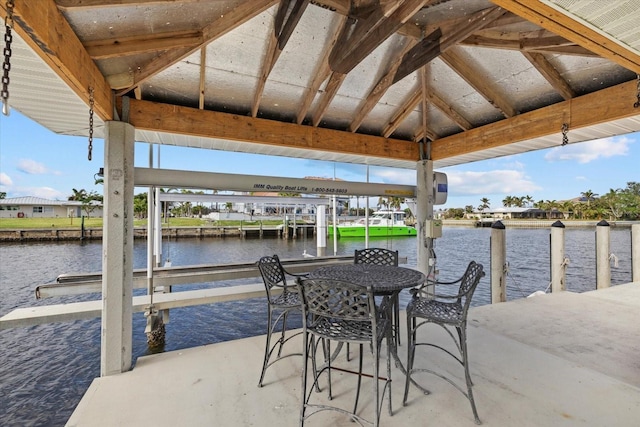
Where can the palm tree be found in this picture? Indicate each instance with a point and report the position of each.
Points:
(507, 201)
(484, 204)
(589, 196)
(383, 202)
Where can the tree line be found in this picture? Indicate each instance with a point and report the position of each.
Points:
(617, 204)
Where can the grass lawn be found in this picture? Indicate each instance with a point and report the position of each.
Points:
(24, 223)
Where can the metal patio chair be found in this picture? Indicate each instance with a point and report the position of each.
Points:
(343, 312)
(447, 311)
(283, 299)
(382, 256)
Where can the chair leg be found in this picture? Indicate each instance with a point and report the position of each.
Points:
(389, 343)
(267, 348)
(465, 361)
(355, 406)
(284, 331)
(396, 318)
(305, 356)
(411, 348)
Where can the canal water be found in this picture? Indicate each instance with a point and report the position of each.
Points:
(45, 370)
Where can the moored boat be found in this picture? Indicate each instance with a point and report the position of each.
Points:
(384, 223)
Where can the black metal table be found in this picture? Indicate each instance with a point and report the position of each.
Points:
(382, 278)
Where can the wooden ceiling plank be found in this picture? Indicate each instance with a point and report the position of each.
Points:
(123, 46)
(51, 37)
(232, 19)
(361, 38)
(575, 30)
(146, 115)
(321, 74)
(603, 106)
(458, 64)
(552, 75)
(439, 41)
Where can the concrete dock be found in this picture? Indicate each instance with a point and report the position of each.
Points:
(562, 359)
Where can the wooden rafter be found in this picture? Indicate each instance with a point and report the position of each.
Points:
(330, 90)
(232, 19)
(384, 83)
(440, 40)
(123, 46)
(203, 80)
(447, 109)
(285, 21)
(549, 45)
(86, 4)
(321, 74)
(573, 29)
(362, 36)
(402, 113)
(465, 70)
(550, 73)
(49, 35)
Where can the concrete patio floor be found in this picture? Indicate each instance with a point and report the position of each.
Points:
(553, 360)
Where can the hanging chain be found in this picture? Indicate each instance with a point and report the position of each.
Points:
(637, 104)
(6, 65)
(565, 130)
(91, 100)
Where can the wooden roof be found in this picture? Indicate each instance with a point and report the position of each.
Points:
(376, 82)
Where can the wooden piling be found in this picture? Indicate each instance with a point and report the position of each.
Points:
(558, 264)
(498, 263)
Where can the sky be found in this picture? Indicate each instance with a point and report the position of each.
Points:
(37, 162)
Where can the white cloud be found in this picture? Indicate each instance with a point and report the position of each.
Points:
(44, 192)
(5, 179)
(395, 176)
(32, 167)
(500, 181)
(585, 152)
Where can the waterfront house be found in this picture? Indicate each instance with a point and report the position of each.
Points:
(38, 207)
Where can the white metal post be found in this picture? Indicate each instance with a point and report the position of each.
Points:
(424, 212)
(498, 263)
(603, 250)
(635, 253)
(321, 230)
(558, 267)
(117, 249)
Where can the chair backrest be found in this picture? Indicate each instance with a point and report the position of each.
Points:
(272, 272)
(469, 282)
(376, 256)
(337, 301)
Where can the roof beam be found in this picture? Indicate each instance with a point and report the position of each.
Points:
(361, 38)
(384, 83)
(86, 4)
(606, 105)
(285, 21)
(158, 117)
(51, 37)
(575, 30)
(458, 64)
(549, 72)
(442, 39)
(321, 74)
(123, 46)
(221, 26)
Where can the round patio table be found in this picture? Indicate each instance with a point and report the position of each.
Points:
(383, 279)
